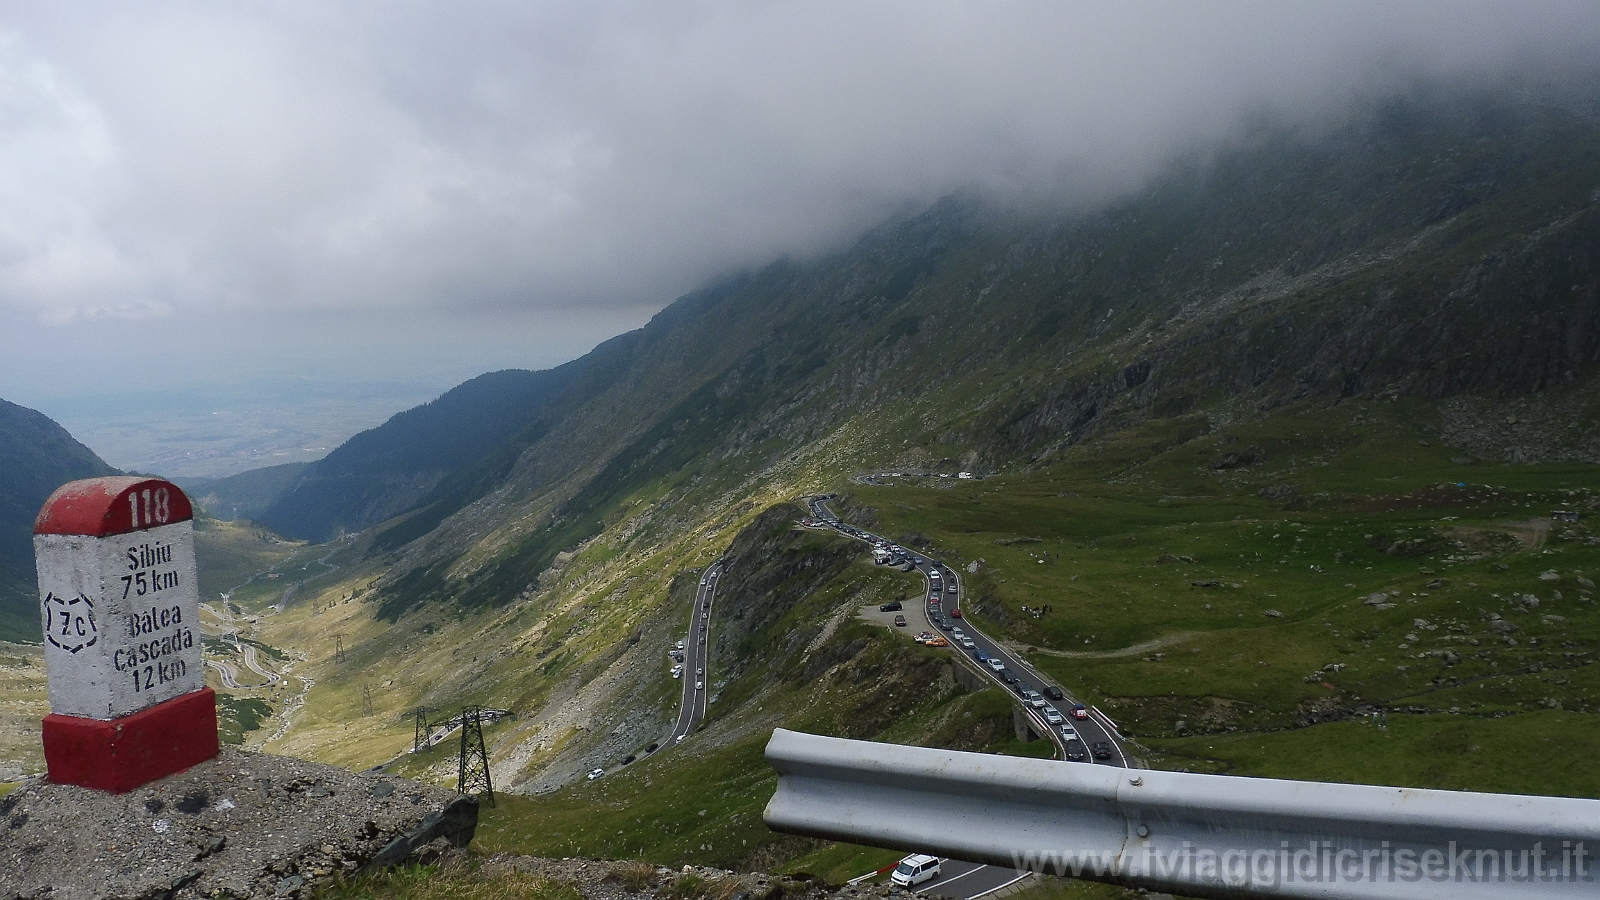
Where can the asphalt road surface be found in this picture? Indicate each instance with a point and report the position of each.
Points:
(254, 665)
(960, 880)
(692, 710)
(229, 675)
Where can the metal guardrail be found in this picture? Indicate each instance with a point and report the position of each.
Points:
(1195, 835)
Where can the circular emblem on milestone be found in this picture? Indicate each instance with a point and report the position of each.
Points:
(69, 624)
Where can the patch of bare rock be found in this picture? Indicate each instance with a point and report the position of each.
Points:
(242, 825)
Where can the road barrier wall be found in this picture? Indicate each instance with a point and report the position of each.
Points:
(1196, 835)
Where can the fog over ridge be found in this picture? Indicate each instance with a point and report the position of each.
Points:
(205, 168)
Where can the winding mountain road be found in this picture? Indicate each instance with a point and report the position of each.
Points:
(696, 650)
(958, 879)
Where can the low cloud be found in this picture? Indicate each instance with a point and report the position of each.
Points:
(167, 160)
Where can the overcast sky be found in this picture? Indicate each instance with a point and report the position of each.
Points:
(204, 193)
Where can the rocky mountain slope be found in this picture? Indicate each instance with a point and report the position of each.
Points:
(1435, 247)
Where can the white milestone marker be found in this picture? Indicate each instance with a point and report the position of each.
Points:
(121, 616)
(119, 605)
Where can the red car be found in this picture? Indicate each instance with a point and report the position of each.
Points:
(1078, 711)
(955, 613)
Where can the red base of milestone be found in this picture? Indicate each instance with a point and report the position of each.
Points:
(125, 753)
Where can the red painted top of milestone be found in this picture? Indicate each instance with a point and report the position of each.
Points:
(116, 504)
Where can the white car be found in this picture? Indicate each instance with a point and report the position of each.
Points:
(1068, 732)
(1053, 717)
(699, 685)
(915, 869)
(596, 773)
(969, 643)
(996, 663)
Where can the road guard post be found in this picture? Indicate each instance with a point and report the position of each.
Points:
(121, 612)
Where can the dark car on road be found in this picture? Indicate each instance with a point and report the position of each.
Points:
(1021, 687)
(1102, 750)
(1053, 692)
(1075, 751)
(1008, 676)
(891, 606)
(900, 621)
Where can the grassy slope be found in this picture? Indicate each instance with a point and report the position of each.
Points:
(898, 339)
(23, 705)
(1470, 708)
(228, 554)
(860, 682)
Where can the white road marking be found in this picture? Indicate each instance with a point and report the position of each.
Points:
(1000, 886)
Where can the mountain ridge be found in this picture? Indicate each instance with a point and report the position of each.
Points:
(385, 470)
(1116, 314)
(37, 456)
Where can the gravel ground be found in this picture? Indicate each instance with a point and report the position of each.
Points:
(240, 825)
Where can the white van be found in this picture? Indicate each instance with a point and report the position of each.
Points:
(915, 869)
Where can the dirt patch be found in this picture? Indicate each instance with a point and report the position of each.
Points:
(1532, 533)
(1496, 542)
(1166, 640)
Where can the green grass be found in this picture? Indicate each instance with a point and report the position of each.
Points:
(238, 716)
(1344, 503)
(675, 807)
(1530, 753)
(838, 863)
(465, 879)
(227, 554)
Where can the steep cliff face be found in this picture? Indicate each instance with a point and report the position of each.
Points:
(1439, 248)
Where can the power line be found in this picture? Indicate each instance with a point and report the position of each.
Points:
(422, 729)
(473, 772)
